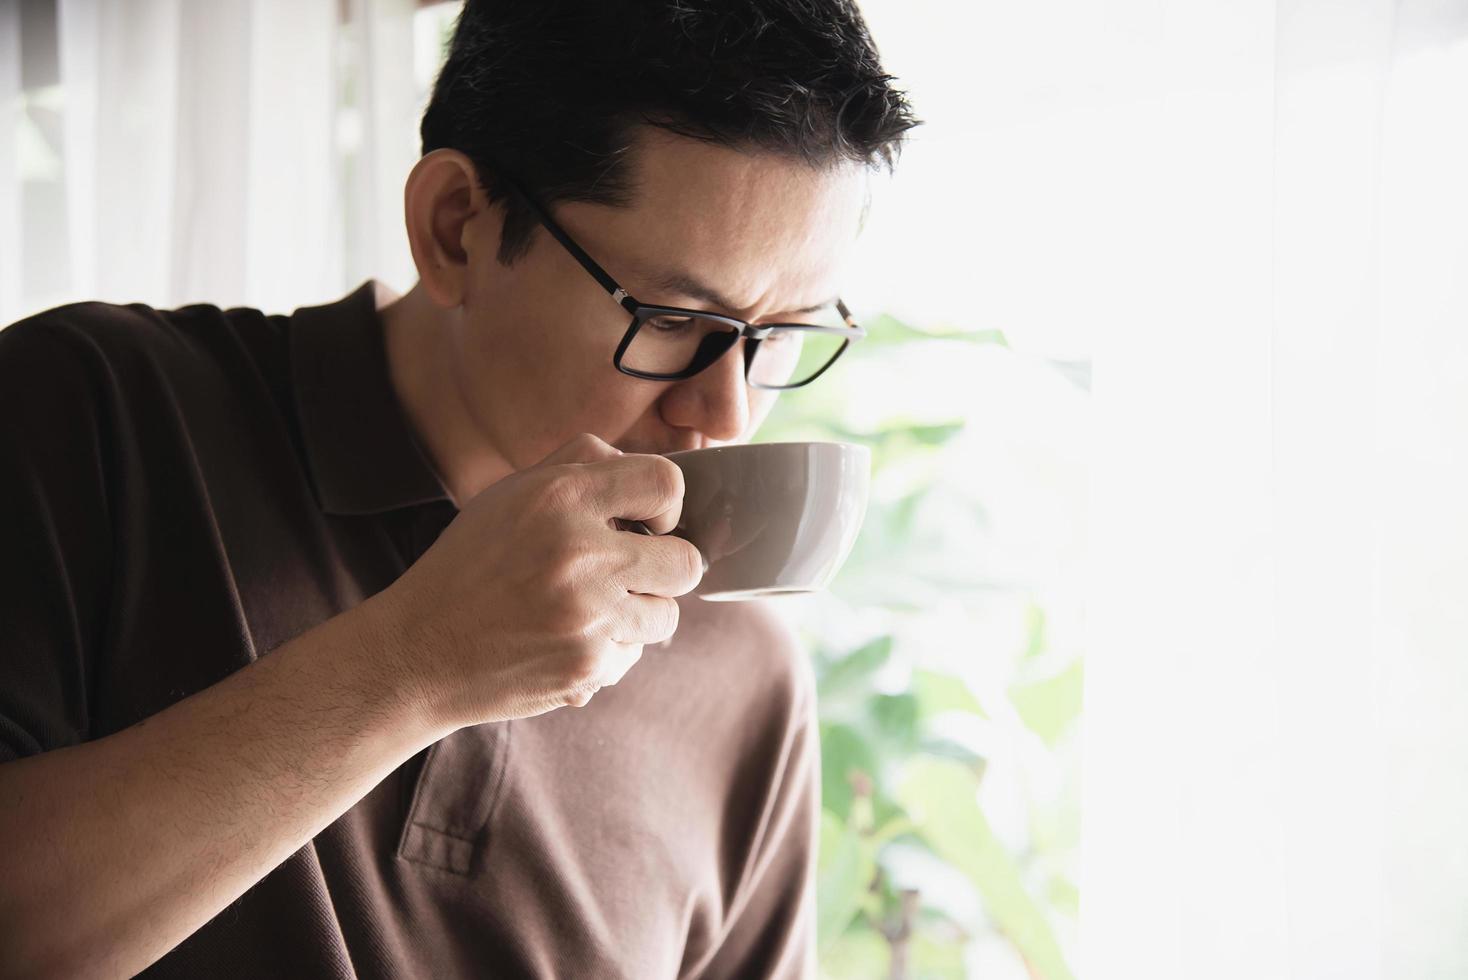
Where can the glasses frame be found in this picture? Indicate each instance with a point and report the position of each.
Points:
(752, 334)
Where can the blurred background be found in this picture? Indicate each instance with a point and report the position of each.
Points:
(1164, 385)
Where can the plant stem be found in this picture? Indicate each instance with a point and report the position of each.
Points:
(900, 936)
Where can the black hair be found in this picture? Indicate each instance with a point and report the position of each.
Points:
(551, 91)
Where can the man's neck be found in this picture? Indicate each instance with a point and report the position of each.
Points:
(419, 363)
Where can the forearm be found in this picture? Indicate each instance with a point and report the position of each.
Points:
(121, 848)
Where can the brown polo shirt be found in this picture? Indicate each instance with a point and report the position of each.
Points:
(182, 491)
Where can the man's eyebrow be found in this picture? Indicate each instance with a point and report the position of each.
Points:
(686, 285)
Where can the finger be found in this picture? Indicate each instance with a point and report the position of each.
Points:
(584, 448)
(663, 566)
(637, 487)
(645, 619)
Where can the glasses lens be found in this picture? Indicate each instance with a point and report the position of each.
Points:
(668, 345)
(792, 357)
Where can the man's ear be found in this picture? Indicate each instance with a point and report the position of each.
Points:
(450, 223)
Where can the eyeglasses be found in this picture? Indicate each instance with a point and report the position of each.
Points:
(670, 343)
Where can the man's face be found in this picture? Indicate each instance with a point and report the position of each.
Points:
(532, 353)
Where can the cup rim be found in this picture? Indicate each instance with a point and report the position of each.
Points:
(753, 445)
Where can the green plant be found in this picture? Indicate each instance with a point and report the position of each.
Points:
(900, 779)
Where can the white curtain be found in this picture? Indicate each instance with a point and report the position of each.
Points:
(235, 152)
(1276, 735)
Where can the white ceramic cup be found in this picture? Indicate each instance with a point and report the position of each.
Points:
(772, 518)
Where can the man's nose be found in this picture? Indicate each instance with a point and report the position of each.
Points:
(715, 401)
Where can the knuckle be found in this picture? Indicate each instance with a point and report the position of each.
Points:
(563, 619)
(585, 669)
(568, 556)
(668, 477)
(564, 488)
(567, 613)
(590, 444)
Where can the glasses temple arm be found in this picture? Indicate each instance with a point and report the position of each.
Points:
(577, 252)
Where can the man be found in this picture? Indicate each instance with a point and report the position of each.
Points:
(290, 604)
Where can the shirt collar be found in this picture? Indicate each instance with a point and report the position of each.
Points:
(359, 446)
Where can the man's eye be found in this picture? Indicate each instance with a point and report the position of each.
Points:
(670, 324)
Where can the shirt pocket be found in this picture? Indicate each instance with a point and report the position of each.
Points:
(454, 797)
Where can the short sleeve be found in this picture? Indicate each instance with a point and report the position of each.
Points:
(56, 556)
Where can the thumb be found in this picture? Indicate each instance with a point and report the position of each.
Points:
(585, 448)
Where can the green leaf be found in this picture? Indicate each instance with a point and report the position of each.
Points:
(894, 826)
(905, 435)
(938, 693)
(899, 518)
(1064, 895)
(931, 435)
(887, 331)
(1050, 705)
(946, 748)
(843, 877)
(872, 904)
(933, 959)
(941, 796)
(1035, 628)
(860, 954)
(896, 719)
(843, 750)
(884, 808)
(855, 668)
